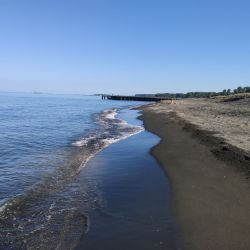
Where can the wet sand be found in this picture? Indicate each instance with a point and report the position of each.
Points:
(208, 175)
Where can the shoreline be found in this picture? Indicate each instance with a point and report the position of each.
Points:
(210, 196)
(133, 213)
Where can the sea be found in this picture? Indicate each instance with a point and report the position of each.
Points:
(76, 173)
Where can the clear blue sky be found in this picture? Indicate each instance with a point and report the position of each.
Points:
(124, 46)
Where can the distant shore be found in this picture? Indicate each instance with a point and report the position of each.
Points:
(204, 150)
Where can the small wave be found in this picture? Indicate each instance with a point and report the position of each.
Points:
(109, 117)
(111, 130)
(115, 130)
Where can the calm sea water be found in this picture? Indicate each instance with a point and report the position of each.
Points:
(45, 142)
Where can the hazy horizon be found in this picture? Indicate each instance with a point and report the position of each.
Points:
(123, 47)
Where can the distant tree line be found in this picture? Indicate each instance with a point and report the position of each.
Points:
(224, 92)
(242, 90)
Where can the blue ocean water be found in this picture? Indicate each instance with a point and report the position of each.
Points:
(45, 142)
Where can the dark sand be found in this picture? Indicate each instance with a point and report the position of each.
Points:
(211, 196)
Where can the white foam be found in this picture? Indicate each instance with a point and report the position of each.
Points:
(110, 141)
(122, 122)
(2, 208)
(83, 141)
(110, 114)
(48, 217)
(5, 204)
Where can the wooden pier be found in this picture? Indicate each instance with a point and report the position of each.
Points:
(134, 98)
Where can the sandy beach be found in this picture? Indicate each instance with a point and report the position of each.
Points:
(204, 150)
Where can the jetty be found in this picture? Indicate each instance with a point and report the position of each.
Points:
(134, 98)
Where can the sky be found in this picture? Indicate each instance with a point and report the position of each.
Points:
(124, 46)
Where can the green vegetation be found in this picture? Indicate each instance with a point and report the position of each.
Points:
(225, 92)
